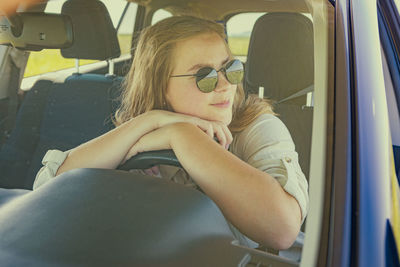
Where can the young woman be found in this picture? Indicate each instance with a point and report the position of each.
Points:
(183, 89)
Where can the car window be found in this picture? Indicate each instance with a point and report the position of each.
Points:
(238, 30)
(393, 111)
(50, 60)
(243, 51)
(160, 15)
(391, 76)
(124, 24)
(391, 79)
(397, 2)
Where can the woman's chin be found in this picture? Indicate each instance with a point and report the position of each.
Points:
(225, 119)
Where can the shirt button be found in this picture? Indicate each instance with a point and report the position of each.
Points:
(288, 160)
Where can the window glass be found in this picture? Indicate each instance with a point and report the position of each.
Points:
(389, 57)
(125, 30)
(397, 2)
(50, 60)
(239, 29)
(393, 111)
(160, 15)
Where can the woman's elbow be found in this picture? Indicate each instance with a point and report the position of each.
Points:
(289, 225)
(284, 234)
(286, 239)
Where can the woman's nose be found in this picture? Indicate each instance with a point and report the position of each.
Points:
(223, 84)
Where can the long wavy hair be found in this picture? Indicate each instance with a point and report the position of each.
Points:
(145, 87)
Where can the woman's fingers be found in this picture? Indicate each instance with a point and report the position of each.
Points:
(218, 130)
(153, 171)
(220, 134)
(211, 128)
(206, 126)
(228, 134)
(148, 172)
(132, 152)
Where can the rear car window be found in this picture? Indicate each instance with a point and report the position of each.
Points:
(239, 29)
(50, 60)
(160, 14)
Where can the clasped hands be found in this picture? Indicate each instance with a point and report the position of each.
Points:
(164, 125)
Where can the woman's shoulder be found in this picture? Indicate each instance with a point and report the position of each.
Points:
(268, 126)
(265, 130)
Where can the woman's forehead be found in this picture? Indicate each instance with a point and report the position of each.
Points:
(207, 49)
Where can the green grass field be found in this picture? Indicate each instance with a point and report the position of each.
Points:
(239, 45)
(49, 60)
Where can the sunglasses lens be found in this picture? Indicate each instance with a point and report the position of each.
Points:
(206, 79)
(234, 71)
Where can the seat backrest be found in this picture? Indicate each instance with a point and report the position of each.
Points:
(65, 115)
(94, 34)
(281, 59)
(56, 116)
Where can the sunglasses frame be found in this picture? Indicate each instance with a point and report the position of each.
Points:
(223, 69)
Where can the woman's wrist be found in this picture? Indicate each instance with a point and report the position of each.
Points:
(143, 123)
(180, 130)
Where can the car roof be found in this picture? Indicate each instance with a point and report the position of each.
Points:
(219, 9)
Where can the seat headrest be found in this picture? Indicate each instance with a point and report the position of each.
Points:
(94, 34)
(281, 55)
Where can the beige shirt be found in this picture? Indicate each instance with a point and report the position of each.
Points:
(265, 144)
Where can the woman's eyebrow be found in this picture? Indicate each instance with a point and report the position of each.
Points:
(224, 62)
(198, 66)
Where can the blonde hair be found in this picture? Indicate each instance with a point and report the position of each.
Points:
(145, 86)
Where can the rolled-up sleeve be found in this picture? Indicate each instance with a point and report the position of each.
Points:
(267, 145)
(52, 160)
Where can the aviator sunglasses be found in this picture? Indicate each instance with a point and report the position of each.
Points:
(207, 77)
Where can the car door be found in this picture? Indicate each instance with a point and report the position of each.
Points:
(389, 30)
(365, 214)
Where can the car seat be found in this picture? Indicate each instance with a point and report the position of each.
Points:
(280, 62)
(63, 115)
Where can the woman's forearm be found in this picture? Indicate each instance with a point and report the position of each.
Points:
(108, 150)
(251, 199)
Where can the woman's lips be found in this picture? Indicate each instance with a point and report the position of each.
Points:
(224, 104)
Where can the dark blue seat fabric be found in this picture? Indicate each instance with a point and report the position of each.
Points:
(65, 115)
(56, 116)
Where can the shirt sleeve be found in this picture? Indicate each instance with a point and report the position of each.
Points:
(267, 145)
(51, 162)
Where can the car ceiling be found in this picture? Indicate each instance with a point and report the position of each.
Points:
(219, 9)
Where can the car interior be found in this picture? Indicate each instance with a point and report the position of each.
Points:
(287, 59)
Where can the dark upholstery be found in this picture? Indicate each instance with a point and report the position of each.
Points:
(106, 218)
(281, 59)
(94, 34)
(56, 116)
(280, 55)
(65, 115)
